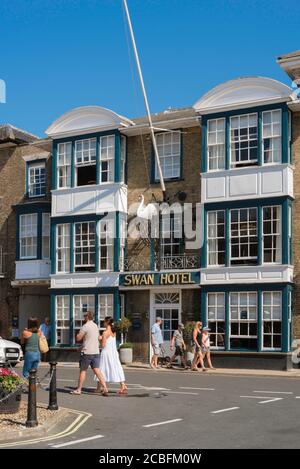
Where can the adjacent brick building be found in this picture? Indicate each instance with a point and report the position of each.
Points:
(18, 149)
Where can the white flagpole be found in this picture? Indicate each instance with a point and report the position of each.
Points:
(161, 178)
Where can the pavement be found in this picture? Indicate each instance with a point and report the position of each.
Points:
(180, 409)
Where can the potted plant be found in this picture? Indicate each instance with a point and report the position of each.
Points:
(126, 355)
(188, 338)
(123, 326)
(10, 391)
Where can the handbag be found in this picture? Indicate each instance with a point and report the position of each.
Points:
(43, 344)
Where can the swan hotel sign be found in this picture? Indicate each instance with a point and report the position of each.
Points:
(160, 278)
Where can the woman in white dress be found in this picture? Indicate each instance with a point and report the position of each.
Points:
(110, 364)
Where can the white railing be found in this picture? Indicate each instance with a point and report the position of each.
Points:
(180, 262)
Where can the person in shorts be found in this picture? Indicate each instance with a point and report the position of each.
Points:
(156, 342)
(89, 356)
(180, 347)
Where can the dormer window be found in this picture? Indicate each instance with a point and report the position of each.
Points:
(85, 160)
(243, 140)
(37, 179)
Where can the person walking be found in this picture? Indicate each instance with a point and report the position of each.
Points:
(30, 340)
(110, 365)
(156, 342)
(45, 329)
(205, 347)
(180, 347)
(90, 356)
(197, 338)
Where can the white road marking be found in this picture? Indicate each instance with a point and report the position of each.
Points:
(67, 380)
(274, 392)
(197, 389)
(182, 392)
(297, 397)
(257, 397)
(75, 442)
(224, 410)
(162, 423)
(271, 400)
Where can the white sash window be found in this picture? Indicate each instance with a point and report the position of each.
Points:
(64, 161)
(216, 144)
(28, 236)
(63, 248)
(272, 234)
(272, 320)
(62, 320)
(243, 140)
(107, 158)
(46, 236)
(85, 248)
(271, 122)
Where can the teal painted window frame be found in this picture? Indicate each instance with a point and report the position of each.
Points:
(29, 164)
(80, 291)
(28, 209)
(71, 220)
(72, 140)
(285, 139)
(284, 288)
(286, 243)
(153, 178)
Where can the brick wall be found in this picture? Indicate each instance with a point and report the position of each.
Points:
(139, 180)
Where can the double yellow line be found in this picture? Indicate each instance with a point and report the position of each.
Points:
(81, 418)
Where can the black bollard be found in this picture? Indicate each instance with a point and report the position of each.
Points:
(31, 409)
(52, 389)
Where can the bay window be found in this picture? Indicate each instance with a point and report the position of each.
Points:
(63, 248)
(271, 133)
(216, 237)
(243, 320)
(62, 320)
(64, 164)
(216, 144)
(272, 234)
(107, 158)
(216, 319)
(85, 247)
(28, 236)
(243, 236)
(169, 151)
(272, 319)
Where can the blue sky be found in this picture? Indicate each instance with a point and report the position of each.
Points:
(60, 54)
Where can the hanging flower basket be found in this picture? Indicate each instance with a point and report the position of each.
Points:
(10, 391)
